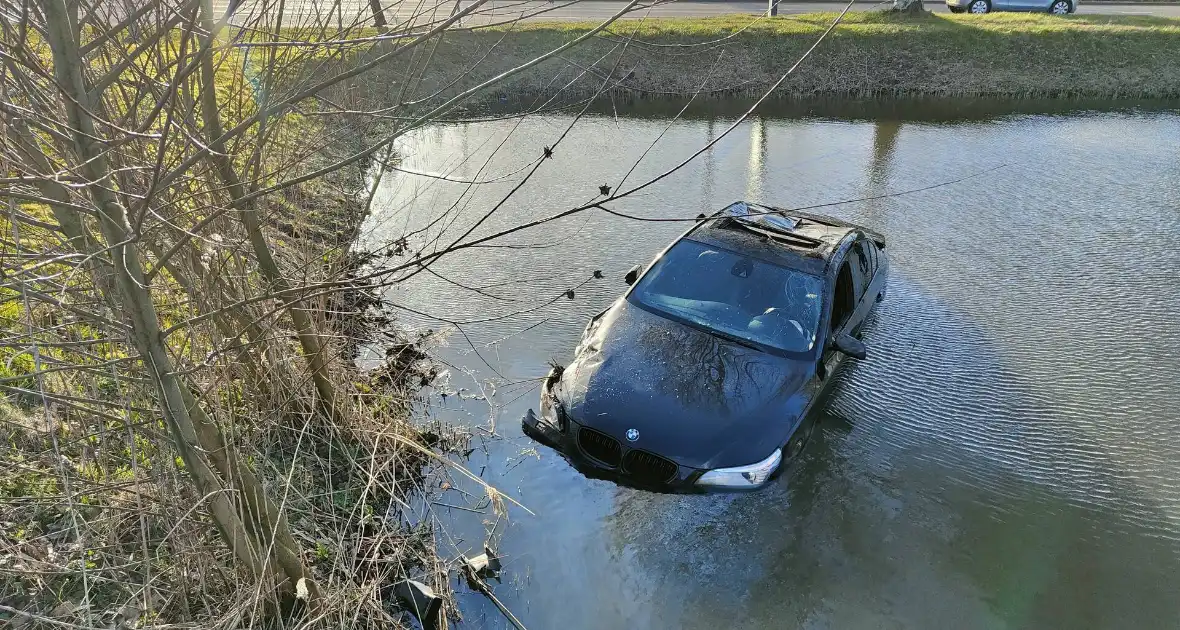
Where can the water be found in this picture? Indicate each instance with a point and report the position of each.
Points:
(1008, 456)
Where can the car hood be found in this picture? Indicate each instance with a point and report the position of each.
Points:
(696, 398)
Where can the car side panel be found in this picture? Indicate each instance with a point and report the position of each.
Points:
(1027, 5)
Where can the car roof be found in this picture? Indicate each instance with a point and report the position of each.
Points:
(799, 240)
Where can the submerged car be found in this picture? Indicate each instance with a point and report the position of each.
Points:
(701, 376)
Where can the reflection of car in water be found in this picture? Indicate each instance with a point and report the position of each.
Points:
(701, 376)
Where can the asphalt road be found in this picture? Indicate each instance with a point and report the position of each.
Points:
(499, 10)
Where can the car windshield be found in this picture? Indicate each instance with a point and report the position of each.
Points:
(735, 295)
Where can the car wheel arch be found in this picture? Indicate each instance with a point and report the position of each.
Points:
(799, 439)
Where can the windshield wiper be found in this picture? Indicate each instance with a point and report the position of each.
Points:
(739, 341)
(772, 231)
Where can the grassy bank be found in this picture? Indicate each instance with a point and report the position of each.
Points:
(101, 522)
(868, 55)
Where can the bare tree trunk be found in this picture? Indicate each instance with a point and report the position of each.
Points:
(378, 15)
(248, 213)
(241, 512)
(909, 6)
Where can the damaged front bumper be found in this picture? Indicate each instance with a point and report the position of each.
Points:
(555, 429)
(543, 432)
(565, 443)
(686, 480)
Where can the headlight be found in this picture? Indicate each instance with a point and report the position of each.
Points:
(742, 477)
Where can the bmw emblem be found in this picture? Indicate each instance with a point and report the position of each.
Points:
(632, 435)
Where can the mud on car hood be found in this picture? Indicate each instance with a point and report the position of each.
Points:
(696, 398)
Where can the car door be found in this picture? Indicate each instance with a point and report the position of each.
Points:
(844, 303)
(1026, 5)
(858, 283)
(867, 281)
(860, 264)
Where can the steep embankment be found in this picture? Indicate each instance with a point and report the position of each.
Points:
(868, 55)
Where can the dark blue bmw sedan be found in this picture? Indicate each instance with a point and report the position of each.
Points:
(701, 376)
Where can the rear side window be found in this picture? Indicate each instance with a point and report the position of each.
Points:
(843, 299)
(868, 258)
(859, 264)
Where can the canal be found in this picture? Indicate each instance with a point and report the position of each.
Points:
(1008, 455)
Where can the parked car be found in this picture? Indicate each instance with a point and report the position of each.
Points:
(701, 376)
(1057, 7)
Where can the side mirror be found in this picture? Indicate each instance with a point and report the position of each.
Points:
(850, 346)
(632, 275)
